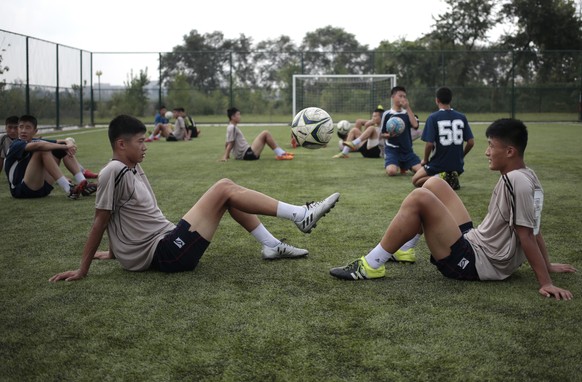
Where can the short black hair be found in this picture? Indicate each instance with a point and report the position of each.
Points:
(379, 110)
(512, 132)
(124, 126)
(12, 120)
(232, 111)
(28, 118)
(444, 95)
(397, 89)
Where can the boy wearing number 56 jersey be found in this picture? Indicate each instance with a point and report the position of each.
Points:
(448, 138)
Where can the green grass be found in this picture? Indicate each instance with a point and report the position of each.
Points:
(239, 318)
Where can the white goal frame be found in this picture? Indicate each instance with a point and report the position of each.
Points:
(300, 76)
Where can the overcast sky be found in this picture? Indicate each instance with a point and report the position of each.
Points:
(158, 26)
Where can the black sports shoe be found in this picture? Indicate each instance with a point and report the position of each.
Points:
(88, 188)
(453, 180)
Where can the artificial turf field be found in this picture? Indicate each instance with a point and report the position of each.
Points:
(239, 318)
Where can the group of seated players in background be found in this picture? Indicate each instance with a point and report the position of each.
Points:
(183, 129)
(447, 134)
(32, 164)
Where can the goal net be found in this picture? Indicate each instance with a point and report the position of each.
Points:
(345, 94)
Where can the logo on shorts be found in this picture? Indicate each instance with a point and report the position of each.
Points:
(463, 263)
(179, 242)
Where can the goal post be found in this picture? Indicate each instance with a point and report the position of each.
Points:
(342, 93)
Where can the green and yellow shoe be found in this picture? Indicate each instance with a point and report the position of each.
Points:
(358, 270)
(408, 256)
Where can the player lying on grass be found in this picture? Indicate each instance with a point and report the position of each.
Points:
(32, 164)
(508, 236)
(141, 238)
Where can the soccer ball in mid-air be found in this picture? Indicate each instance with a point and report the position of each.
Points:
(312, 128)
(343, 127)
(395, 126)
(169, 115)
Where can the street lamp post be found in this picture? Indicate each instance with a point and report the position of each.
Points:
(99, 73)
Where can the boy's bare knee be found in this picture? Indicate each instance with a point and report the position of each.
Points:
(391, 172)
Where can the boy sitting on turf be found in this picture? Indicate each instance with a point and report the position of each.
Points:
(236, 142)
(141, 238)
(508, 236)
(32, 165)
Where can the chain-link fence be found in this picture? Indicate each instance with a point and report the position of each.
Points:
(65, 86)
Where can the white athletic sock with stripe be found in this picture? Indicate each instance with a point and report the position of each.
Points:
(263, 236)
(346, 150)
(79, 177)
(411, 243)
(290, 212)
(377, 257)
(357, 141)
(278, 151)
(64, 183)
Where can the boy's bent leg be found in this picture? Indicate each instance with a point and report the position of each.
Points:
(205, 215)
(423, 210)
(42, 167)
(449, 198)
(420, 177)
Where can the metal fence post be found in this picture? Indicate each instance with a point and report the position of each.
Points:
(57, 100)
(81, 89)
(512, 84)
(27, 88)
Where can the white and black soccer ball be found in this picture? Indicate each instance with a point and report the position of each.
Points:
(343, 127)
(312, 128)
(169, 115)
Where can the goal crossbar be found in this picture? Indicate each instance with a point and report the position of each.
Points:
(337, 79)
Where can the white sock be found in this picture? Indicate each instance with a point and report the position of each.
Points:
(278, 151)
(357, 141)
(79, 177)
(152, 136)
(64, 183)
(411, 243)
(290, 212)
(346, 150)
(159, 134)
(264, 237)
(377, 257)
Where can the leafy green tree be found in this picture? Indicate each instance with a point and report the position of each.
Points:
(331, 50)
(201, 58)
(135, 96)
(543, 26)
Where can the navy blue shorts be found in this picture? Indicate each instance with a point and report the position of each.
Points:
(394, 157)
(22, 191)
(250, 155)
(460, 264)
(180, 250)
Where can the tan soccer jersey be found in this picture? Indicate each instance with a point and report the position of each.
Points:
(517, 200)
(240, 144)
(137, 224)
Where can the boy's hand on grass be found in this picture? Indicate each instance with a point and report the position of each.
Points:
(558, 293)
(103, 255)
(561, 268)
(68, 276)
